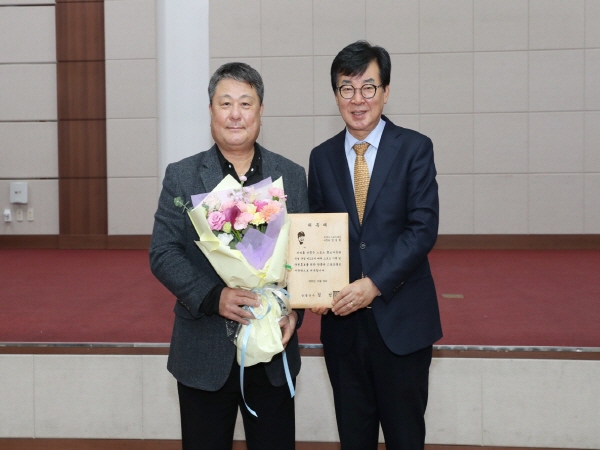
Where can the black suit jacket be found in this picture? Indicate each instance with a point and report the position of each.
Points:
(201, 355)
(399, 229)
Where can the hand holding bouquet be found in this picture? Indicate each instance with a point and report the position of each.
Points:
(243, 232)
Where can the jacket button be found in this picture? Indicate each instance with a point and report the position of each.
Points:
(363, 245)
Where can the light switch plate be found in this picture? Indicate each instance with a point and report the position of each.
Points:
(18, 192)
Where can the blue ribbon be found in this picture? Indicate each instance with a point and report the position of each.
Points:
(245, 341)
(267, 292)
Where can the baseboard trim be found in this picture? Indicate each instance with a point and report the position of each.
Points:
(444, 242)
(306, 350)
(518, 242)
(131, 242)
(14, 241)
(76, 242)
(155, 444)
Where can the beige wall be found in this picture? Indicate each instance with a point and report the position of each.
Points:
(509, 91)
(28, 114)
(132, 115)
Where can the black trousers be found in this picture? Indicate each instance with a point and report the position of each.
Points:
(208, 418)
(372, 386)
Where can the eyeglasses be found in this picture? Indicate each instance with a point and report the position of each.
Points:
(367, 91)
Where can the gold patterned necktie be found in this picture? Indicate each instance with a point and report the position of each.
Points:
(361, 178)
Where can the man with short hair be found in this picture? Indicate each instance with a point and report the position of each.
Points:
(378, 336)
(201, 357)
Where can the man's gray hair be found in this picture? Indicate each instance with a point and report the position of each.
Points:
(237, 71)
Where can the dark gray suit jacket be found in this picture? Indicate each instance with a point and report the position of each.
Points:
(201, 355)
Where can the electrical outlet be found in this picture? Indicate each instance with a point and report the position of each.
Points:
(30, 214)
(7, 215)
(19, 215)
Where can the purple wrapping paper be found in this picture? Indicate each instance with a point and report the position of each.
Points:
(257, 247)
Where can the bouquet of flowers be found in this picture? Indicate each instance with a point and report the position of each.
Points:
(243, 232)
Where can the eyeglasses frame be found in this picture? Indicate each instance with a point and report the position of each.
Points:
(339, 89)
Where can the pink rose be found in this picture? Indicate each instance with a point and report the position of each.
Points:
(242, 221)
(216, 220)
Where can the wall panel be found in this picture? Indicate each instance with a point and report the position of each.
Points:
(29, 150)
(83, 207)
(26, 2)
(16, 390)
(81, 90)
(130, 29)
(79, 28)
(131, 89)
(82, 148)
(34, 42)
(82, 121)
(27, 92)
(132, 149)
(132, 204)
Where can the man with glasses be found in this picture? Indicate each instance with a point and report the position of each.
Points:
(379, 334)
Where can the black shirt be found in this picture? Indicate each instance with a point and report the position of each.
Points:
(254, 174)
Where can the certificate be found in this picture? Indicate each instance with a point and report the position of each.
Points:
(318, 257)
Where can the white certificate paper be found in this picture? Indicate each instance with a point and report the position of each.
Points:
(318, 258)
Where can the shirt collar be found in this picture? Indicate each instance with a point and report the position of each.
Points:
(373, 138)
(227, 167)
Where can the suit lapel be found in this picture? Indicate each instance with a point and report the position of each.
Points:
(388, 151)
(270, 168)
(210, 173)
(339, 166)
